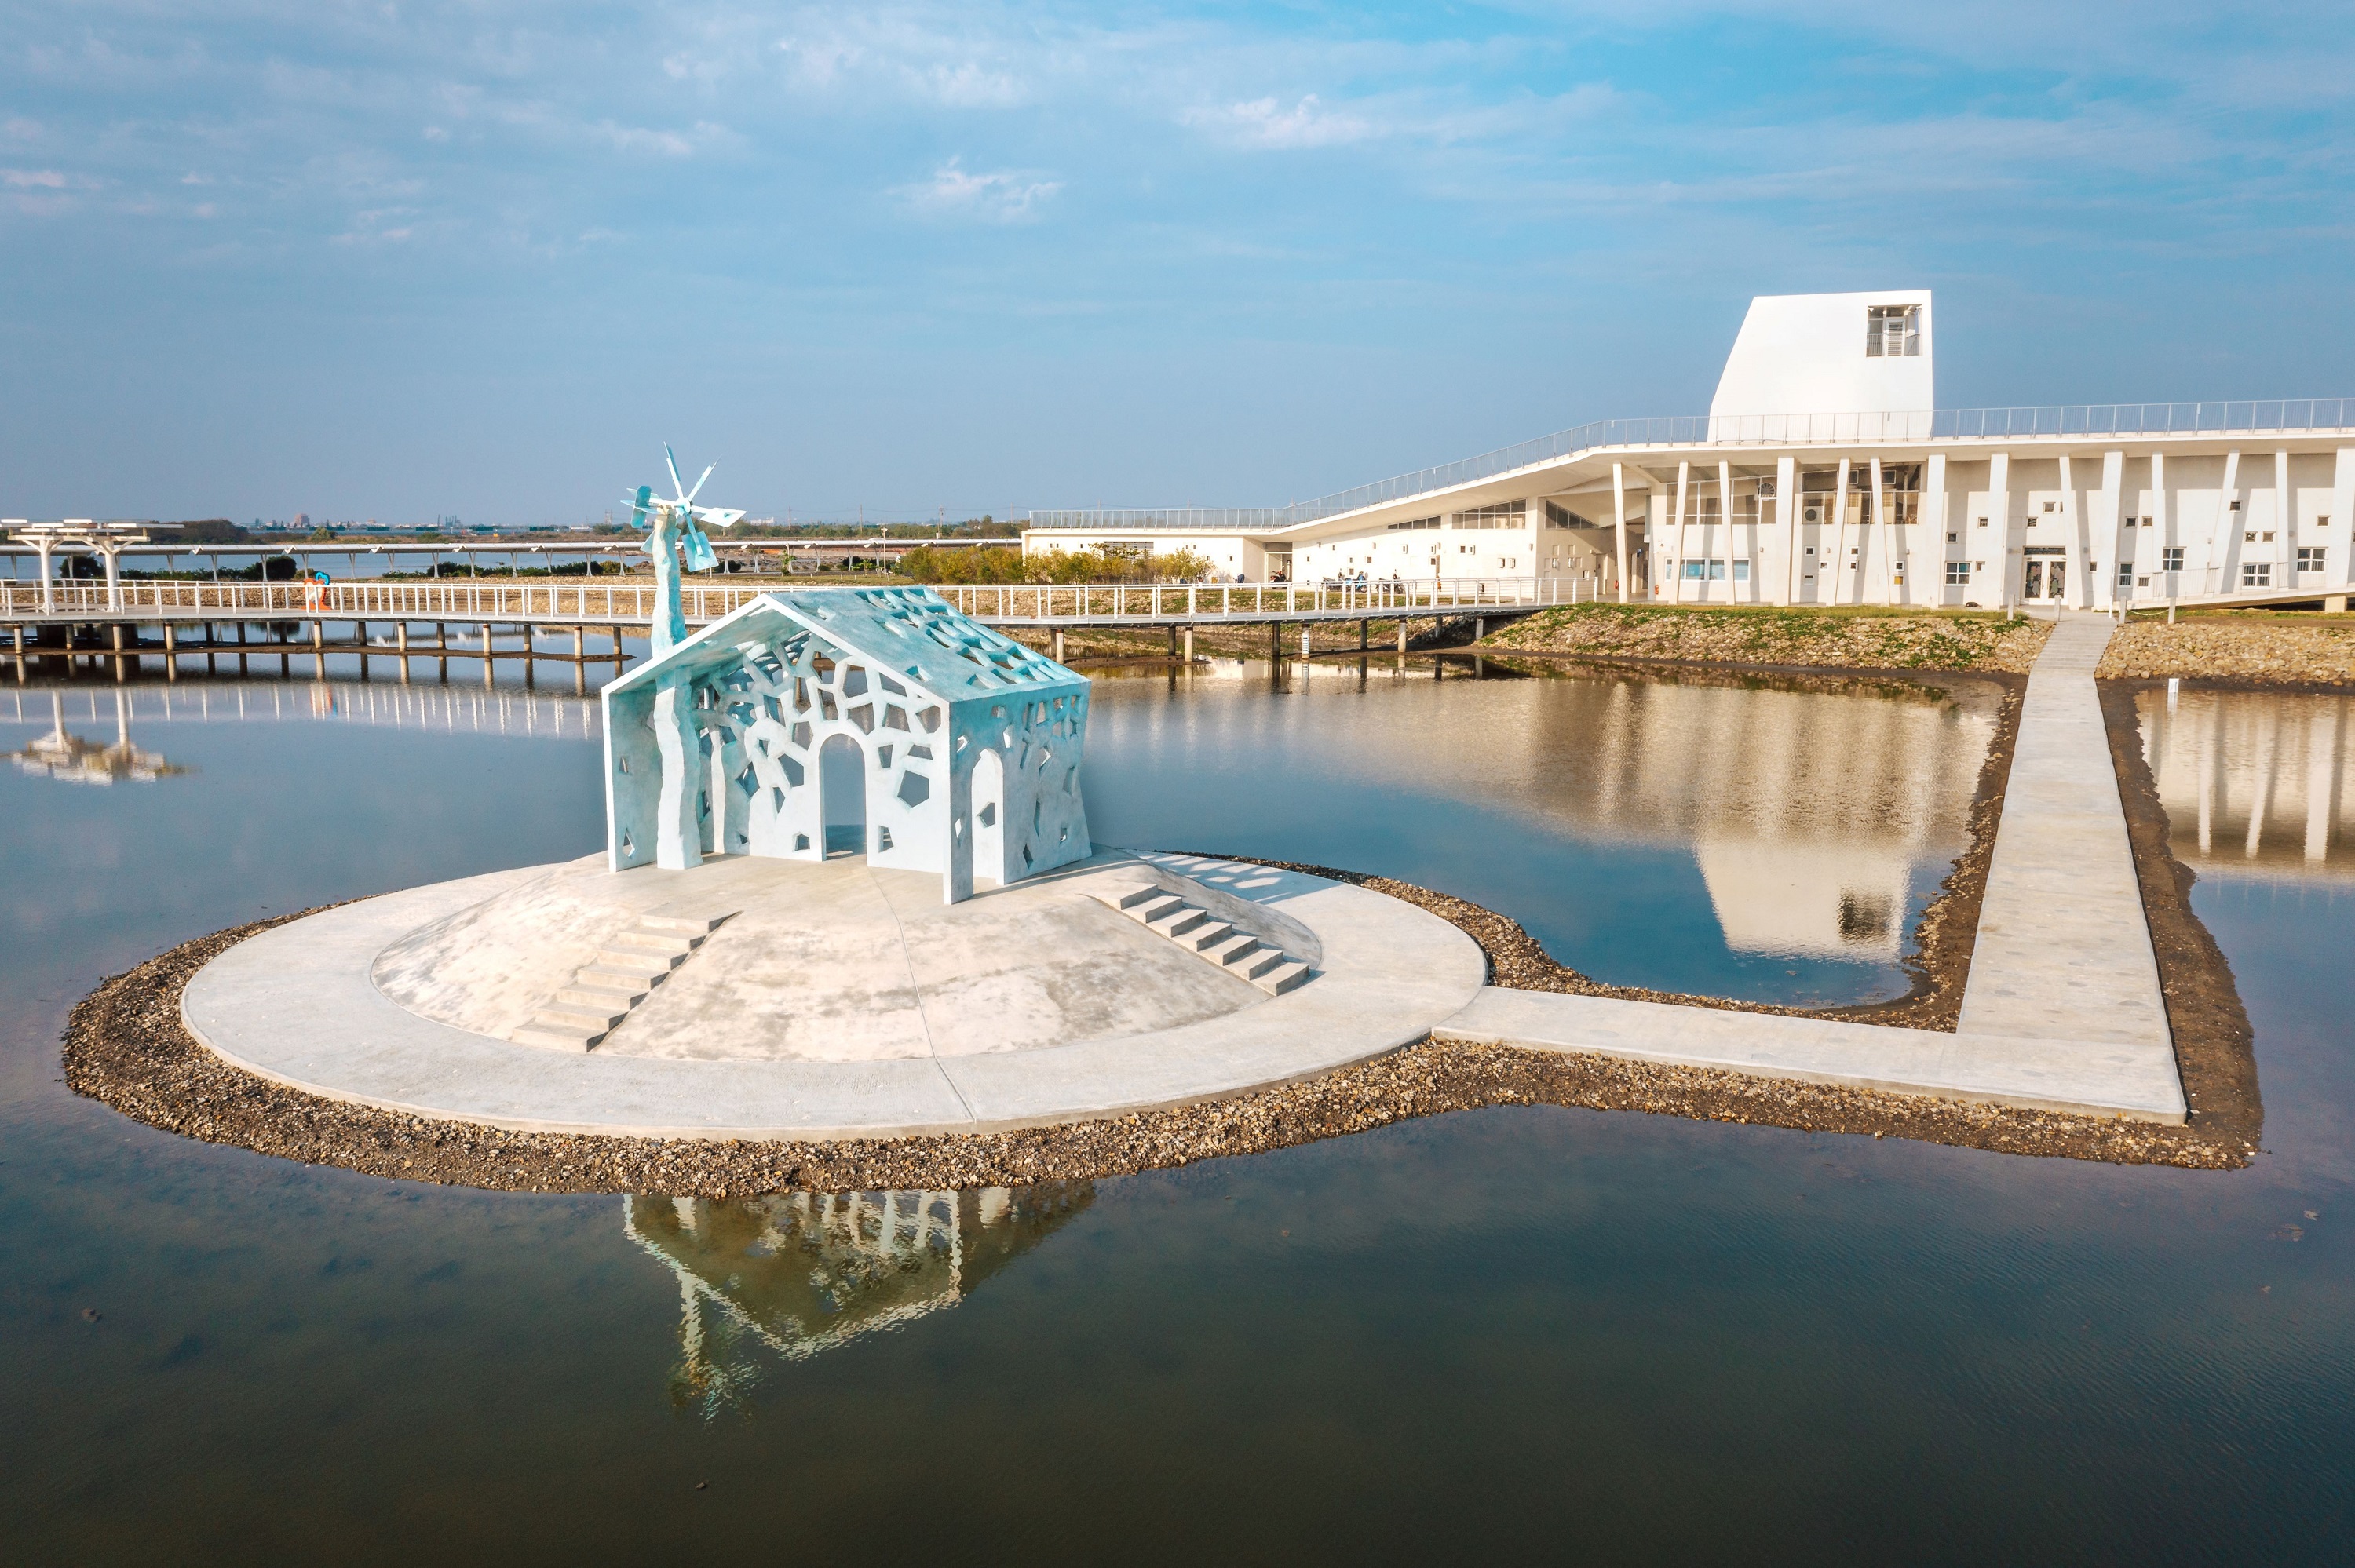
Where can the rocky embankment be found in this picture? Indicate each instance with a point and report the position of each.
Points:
(2265, 651)
(1866, 640)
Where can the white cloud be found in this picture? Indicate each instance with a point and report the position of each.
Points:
(1004, 196)
(33, 179)
(1260, 124)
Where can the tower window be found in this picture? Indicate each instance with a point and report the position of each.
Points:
(1892, 332)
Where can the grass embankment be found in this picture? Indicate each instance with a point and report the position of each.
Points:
(2278, 647)
(1869, 638)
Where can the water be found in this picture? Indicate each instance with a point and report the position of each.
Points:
(1515, 1331)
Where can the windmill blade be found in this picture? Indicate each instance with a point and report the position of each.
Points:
(698, 483)
(718, 516)
(668, 456)
(638, 506)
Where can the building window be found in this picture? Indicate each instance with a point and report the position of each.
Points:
(2170, 559)
(1712, 571)
(1892, 332)
(1418, 523)
(2257, 574)
(2309, 558)
(1958, 571)
(1741, 571)
(2126, 574)
(1506, 515)
(1560, 517)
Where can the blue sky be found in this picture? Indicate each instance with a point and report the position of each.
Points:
(403, 260)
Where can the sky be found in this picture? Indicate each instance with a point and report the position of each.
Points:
(406, 261)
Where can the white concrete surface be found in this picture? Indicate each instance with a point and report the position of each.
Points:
(2098, 1077)
(2064, 948)
(299, 1004)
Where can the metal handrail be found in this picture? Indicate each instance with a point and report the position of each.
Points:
(2049, 421)
(625, 605)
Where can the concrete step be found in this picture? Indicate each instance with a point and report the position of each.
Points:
(556, 1037)
(1130, 894)
(629, 977)
(1208, 935)
(621, 991)
(1290, 975)
(1175, 922)
(683, 925)
(643, 940)
(1240, 945)
(572, 1014)
(1267, 961)
(638, 961)
(1151, 909)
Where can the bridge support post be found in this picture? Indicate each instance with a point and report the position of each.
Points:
(486, 653)
(1305, 628)
(1190, 636)
(319, 649)
(2334, 604)
(171, 652)
(400, 640)
(1059, 645)
(1173, 639)
(1365, 630)
(1275, 641)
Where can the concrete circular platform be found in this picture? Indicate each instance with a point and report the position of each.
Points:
(831, 1000)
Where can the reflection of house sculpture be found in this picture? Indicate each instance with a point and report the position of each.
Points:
(742, 738)
(806, 1272)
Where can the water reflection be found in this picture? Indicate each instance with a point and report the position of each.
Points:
(800, 1272)
(1819, 816)
(77, 761)
(2254, 784)
(499, 710)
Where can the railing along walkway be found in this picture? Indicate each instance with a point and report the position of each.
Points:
(1025, 604)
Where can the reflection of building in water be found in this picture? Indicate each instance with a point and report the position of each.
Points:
(805, 1272)
(1808, 813)
(69, 757)
(2253, 783)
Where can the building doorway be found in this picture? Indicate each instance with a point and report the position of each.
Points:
(2034, 588)
(842, 795)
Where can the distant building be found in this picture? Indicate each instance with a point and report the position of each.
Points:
(1825, 473)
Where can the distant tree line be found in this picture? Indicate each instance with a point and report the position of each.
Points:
(992, 565)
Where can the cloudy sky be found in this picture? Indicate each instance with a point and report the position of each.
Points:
(403, 260)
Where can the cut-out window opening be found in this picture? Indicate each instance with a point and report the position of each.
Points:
(1892, 332)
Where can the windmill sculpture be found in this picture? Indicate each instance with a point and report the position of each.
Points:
(676, 527)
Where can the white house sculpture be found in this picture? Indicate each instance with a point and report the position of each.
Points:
(967, 743)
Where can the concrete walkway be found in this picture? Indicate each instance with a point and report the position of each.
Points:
(2062, 1009)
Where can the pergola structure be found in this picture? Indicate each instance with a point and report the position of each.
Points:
(75, 535)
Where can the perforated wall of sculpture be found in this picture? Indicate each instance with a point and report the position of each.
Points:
(969, 743)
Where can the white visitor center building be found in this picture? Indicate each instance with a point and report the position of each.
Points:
(1825, 473)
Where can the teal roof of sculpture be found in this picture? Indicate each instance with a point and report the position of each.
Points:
(912, 631)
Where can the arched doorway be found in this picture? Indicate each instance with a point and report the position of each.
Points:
(988, 819)
(842, 795)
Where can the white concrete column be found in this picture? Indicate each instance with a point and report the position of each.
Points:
(1880, 531)
(2162, 525)
(2077, 595)
(2223, 561)
(1999, 498)
(1676, 593)
(2342, 516)
(2111, 508)
(1787, 513)
(1934, 513)
(2285, 551)
(1725, 517)
(1619, 523)
(1839, 573)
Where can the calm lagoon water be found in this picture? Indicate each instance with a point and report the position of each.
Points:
(1515, 1331)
